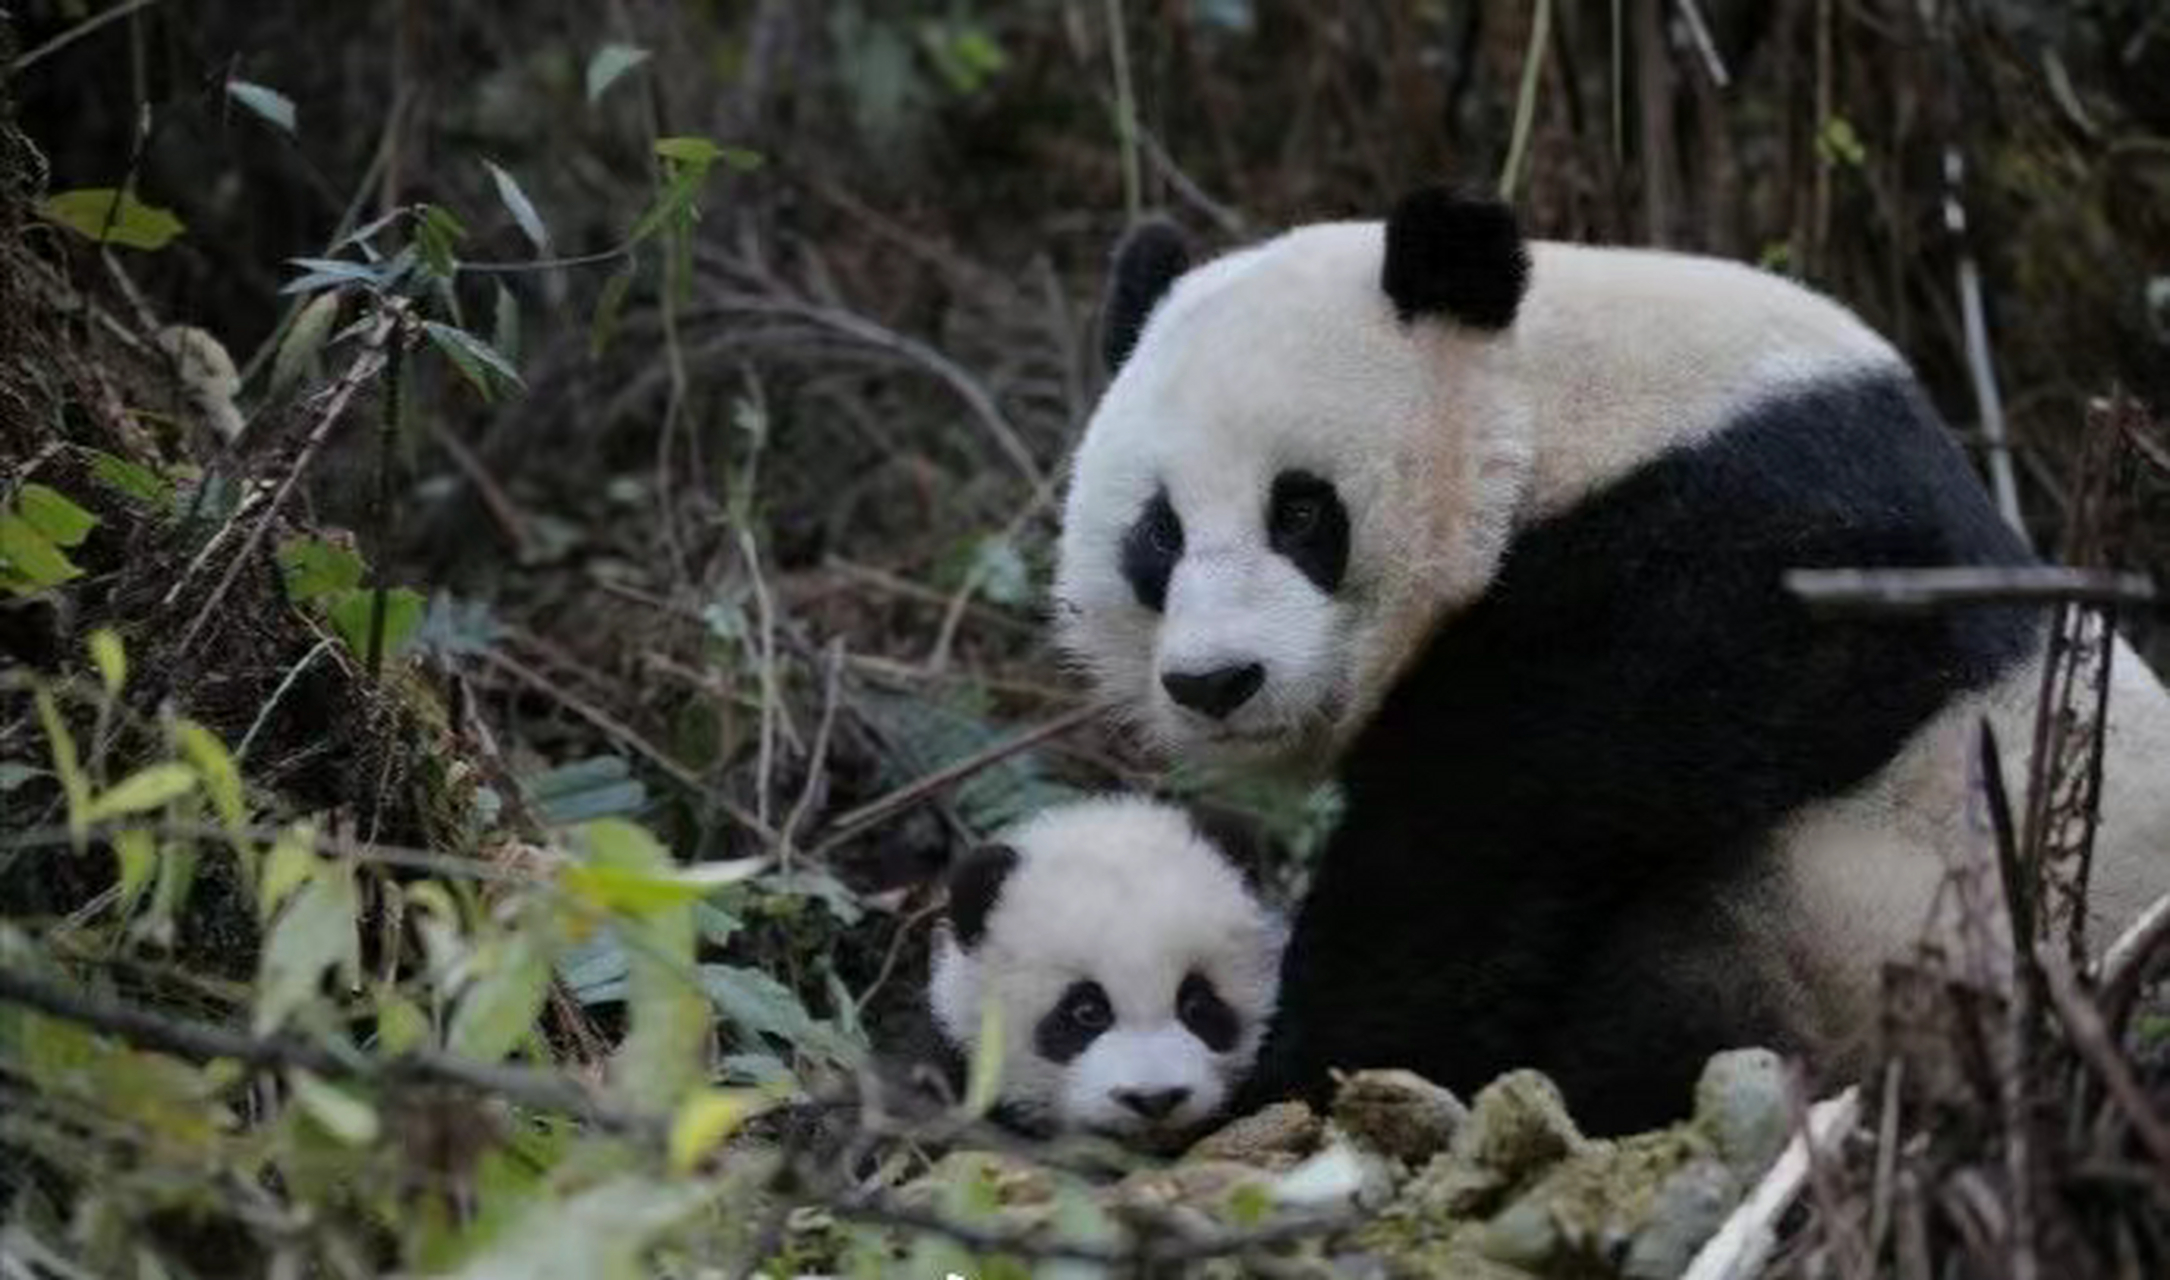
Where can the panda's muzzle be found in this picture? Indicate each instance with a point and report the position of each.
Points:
(1216, 692)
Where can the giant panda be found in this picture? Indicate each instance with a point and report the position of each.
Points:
(1494, 532)
(1131, 965)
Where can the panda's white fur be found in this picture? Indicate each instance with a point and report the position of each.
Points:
(1449, 442)
(1126, 893)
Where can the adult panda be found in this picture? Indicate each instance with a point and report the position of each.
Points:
(1496, 531)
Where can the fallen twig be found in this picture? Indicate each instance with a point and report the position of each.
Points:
(855, 821)
(1744, 1242)
(1906, 590)
(2091, 1039)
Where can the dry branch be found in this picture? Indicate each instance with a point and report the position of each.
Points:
(202, 1042)
(1744, 1242)
(1911, 590)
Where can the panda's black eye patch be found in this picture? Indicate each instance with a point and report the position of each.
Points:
(1150, 549)
(1306, 523)
(1075, 1022)
(1209, 1017)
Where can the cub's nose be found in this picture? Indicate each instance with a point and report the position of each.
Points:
(1216, 692)
(1153, 1104)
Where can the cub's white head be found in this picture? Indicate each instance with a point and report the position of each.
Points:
(1132, 969)
(1295, 469)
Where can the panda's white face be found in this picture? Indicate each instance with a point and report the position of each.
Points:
(1279, 491)
(1132, 970)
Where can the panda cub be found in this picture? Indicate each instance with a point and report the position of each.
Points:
(1132, 969)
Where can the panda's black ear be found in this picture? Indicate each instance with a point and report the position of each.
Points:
(1455, 255)
(1147, 261)
(974, 885)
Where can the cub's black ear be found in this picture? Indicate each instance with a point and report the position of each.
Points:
(1455, 255)
(974, 885)
(1147, 261)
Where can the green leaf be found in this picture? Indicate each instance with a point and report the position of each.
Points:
(215, 765)
(111, 659)
(63, 523)
(608, 303)
(269, 103)
(314, 933)
(333, 271)
(757, 1004)
(291, 864)
(66, 763)
(304, 339)
(600, 1233)
(91, 212)
(435, 237)
(688, 150)
(31, 557)
(131, 480)
(471, 355)
(666, 1051)
(350, 611)
(505, 325)
(314, 567)
(342, 1115)
(983, 1081)
(521, 208)
(401, 1024)
(135, 850)
(707, 1118)
(147, 788)
(610, 62)
(742, 159)
(676, 199)
(499, 1010)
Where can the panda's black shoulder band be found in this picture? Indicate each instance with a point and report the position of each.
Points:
(974, 885)
(1147, 262)
(1455, 255)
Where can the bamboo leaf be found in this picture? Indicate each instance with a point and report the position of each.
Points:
(32, 556)
(609, 63)
(49, 511)
(471, 355)
(521, 208)
(147, 788)
(273, 106)
(92, 213)
(215, 765)
(500, 1009)
(111, 658)
(304, 339)
(341, 1114)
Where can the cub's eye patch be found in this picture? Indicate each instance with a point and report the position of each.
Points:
(1307, 525)
(1151, 546)
(1201, 1009)
(1076, 1021)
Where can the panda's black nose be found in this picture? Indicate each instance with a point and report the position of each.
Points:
(1216, 692)
(1153, 1104)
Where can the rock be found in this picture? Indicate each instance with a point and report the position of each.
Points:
(1273, 1138)
(1518, 1127)
(1398, 1114)
(1690, 1207)
(1741, 1104)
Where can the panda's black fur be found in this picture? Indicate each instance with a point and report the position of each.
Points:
(1634, 705)
(1577, 772)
